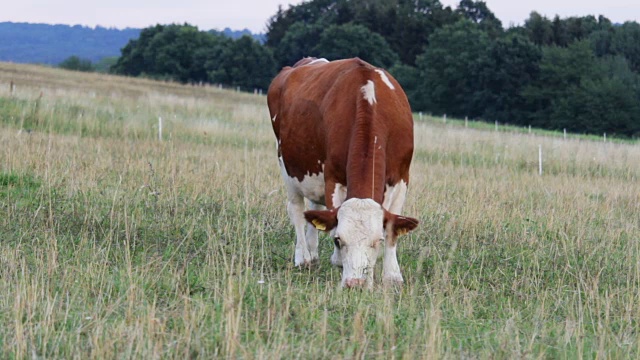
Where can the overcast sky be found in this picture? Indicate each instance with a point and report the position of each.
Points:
(253, 14)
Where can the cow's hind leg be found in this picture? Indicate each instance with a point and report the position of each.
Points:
(295, 209)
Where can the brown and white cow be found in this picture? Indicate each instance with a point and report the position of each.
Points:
(345, 140)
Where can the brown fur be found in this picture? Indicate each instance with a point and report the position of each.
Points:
(321, 115)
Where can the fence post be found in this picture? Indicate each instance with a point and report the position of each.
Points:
(159, 128)
(540, 159)
(466, 121)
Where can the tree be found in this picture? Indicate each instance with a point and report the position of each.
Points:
(450, 69)
(479, 13)
(413, 24)
(132, 61)
(299, 41)
(246, 64)
(512, 65)
(579, 92)
(626, 42)
(404, 24)
(562, 70)
(310, 12)
(539, 29)
(77, 64)
(602, 105)
(344, 41)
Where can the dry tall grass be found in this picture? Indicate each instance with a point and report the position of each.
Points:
(116, 245)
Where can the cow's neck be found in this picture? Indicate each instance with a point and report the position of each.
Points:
(366, 162)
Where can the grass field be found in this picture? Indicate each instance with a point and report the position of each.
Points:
(116, 245)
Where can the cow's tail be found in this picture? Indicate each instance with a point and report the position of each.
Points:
(367, 147)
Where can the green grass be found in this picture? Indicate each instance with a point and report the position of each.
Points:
(116, 245)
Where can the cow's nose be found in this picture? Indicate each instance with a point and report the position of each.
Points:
(354, 283)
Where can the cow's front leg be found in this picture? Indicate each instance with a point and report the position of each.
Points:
(394, 200)
(338, 194)
(312, 235)
(390, 268)
(295, 209)
(336, 258)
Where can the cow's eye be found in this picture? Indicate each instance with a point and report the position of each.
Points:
(337, 242)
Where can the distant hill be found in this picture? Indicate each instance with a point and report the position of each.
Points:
(51, 44)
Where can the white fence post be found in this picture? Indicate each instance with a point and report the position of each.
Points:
(540, 159)
(159, 128)
(466, 121)
(565, 133)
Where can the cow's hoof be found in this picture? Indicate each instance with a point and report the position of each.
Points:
(309, 264)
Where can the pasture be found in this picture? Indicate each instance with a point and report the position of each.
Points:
(114, 244)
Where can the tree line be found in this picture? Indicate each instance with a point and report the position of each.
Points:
(578, 73)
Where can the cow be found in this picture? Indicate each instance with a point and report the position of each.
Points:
(344, 132)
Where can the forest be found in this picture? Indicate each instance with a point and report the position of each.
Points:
(581, 74)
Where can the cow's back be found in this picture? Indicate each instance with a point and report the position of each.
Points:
(314, 109)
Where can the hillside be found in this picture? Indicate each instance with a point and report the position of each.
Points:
(51, 44)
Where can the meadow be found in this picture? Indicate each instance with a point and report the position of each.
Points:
(114, 244)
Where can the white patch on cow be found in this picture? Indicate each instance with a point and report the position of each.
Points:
(360, 228)
(311, 186)
(369, 92)
(338, 195)
(394, 196)
(321, 60)
(385, 79)
(273, 119)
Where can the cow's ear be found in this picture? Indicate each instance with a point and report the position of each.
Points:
(324, 220)
(401, 224)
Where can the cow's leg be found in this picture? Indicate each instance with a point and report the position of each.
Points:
(394, 200)
(338, 195)
(312, 234)
(295, 209)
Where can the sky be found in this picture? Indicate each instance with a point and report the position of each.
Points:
(254, 14)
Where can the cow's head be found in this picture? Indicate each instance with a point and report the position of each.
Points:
(360, 229)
